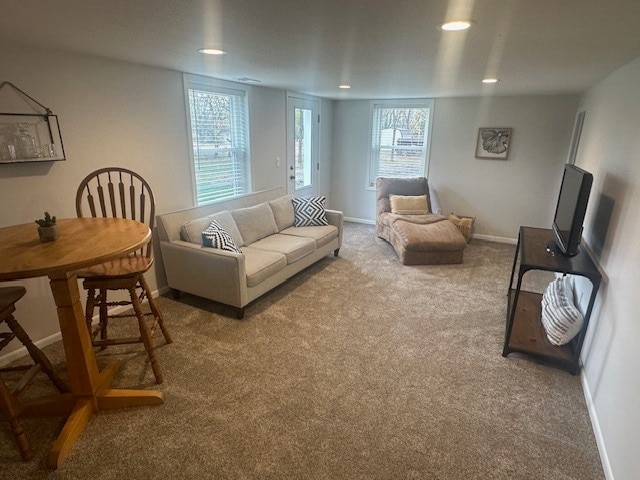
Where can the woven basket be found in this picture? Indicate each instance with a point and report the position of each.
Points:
(464, 229)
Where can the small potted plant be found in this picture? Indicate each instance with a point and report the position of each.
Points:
(48, 230)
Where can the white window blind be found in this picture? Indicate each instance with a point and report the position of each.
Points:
(399, 139)
(219, 141)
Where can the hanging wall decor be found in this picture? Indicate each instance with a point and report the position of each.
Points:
(27, 136)
(493, 143)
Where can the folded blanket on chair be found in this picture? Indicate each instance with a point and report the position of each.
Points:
(419, 219)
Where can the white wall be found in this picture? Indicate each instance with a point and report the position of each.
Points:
(610, 149)
(120, 114)
(349, 167)
(325, 152)
(268, 140)
(116, 113)
(111, 113)
(502, 194)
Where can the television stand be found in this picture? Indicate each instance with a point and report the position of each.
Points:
(524, 332)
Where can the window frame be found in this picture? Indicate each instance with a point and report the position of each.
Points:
(399, 103)
(215, 85)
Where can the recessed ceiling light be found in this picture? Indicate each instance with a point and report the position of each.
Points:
(344, 86)
(212, 51)
(490, 80)
(456, 25)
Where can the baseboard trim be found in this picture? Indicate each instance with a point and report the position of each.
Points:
(22, 351)
(595, 425)
(56, 337)
(493, 238)
(359, 220)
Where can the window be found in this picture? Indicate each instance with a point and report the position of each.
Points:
(219, 135)
(399, 139)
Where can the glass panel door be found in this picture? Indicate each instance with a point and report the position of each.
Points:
(302, 146)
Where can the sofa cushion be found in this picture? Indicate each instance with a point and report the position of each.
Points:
(322, 234)
(309, 211)
(409, 204)
(227, 222)
(261, 264)
(192, 231)
(217, 237)
(293, 247)
(282, 209)
(255, 222)
(433, 234)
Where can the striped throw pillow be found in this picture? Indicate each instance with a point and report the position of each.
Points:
(309, 211)
(560, 318)
(217, 237)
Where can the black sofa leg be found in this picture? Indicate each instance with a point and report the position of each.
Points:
(239, 313)
(335, 252)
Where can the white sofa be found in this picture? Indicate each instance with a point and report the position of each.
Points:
(261, 224)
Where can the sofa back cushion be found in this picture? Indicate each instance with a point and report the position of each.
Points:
(283, 214)
(255, 222)
(192, 230)
(170, 224)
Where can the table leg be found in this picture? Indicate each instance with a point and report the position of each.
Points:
(81, 361)
(89, 388)
(71, 431)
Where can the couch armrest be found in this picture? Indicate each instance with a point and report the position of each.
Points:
(207, 272)
(336, 218)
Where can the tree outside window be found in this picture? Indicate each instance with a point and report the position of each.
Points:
(399, 140)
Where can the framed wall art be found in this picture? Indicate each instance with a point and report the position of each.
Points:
(493, 143)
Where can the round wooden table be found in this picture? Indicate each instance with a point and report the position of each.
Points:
(82, 242)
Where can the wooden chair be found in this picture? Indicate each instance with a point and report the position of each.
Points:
(120, 193)
(8, 398)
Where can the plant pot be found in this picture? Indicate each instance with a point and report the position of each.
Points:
(48, 234)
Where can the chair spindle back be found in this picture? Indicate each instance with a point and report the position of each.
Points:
(117, 193)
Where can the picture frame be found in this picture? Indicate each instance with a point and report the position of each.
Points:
(493, 143)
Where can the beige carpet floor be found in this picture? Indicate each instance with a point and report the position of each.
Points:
(357, 368)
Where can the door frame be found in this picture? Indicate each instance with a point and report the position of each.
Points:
(292, 98)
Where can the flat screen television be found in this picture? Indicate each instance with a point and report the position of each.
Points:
(570, 211)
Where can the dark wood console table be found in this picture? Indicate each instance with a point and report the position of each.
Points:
(524, 331)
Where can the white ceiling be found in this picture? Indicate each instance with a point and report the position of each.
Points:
(384, 49)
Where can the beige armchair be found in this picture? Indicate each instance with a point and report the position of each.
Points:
(418, 238)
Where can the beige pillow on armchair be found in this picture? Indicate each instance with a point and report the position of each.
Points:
(409, 205)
